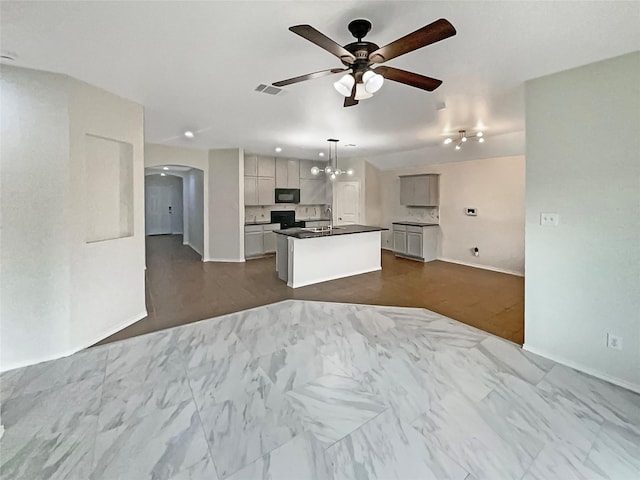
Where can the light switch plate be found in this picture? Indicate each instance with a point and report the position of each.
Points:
(549, 219)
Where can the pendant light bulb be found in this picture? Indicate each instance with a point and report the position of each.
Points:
(448, 141)
(315, 170)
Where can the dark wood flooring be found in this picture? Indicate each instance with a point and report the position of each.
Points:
(182, 289)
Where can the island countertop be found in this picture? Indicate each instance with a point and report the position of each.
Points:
(416, 224)
(339, 230)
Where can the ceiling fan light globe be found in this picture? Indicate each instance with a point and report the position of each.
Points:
(315, 170)
(361, 92)
(345, 85)
(372, 81)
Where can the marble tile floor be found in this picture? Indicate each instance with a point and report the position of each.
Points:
(310, 390)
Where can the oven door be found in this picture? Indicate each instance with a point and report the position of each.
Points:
(287, 195)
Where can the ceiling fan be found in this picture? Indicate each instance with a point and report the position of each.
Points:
(360, 59)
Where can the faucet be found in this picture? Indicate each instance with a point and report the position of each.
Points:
(330, 212)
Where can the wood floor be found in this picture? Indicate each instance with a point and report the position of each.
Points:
(182, 289)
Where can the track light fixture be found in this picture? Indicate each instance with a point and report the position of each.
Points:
(463, 138)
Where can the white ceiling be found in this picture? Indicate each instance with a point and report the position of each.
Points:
(194, 65)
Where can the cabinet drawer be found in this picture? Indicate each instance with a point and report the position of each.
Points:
(414, 229)
(253, 228)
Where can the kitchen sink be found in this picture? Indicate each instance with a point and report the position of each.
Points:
(322, 229)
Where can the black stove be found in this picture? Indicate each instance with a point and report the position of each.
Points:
(286, 219)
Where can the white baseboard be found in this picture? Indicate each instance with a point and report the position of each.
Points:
(224, 260)
(484, 267)
(588, 370)
(82, 346)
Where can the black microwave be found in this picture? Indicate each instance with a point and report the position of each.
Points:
(287, 195)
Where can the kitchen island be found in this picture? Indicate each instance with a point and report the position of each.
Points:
(305, 256)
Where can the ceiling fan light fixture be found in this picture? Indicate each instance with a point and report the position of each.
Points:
(345, 85)
(372, 81)
(361, 92)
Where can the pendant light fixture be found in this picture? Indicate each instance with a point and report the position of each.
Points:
(463, 138)
(332, 169)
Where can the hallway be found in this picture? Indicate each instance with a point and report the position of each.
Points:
(182, 289)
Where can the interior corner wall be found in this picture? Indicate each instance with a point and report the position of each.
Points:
(372, 196)
(226, 205)
(61, 293)
(582, 163)
(193, 189)
(35, 208)
(494, 186)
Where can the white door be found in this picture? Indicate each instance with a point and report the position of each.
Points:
(158, 209)
(347, 203)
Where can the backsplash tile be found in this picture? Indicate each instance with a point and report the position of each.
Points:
(303, 212)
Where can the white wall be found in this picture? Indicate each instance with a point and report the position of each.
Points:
(226, 205)
(495, 187)
(583, 276)
(35, 257)
(194, 210)
(59, 293)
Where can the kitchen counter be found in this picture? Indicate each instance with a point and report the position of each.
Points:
(417, 224)
(302, 233)
(304, 257)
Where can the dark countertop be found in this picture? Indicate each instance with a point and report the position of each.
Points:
(342, 230)
(417, 224)
(265, 222)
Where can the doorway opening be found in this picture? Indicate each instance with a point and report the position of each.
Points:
(174, 203)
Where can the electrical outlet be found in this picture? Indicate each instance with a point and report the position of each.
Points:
(549, 219)
(613, 341)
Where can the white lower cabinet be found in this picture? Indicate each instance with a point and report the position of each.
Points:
(259, 239)
(417, 242)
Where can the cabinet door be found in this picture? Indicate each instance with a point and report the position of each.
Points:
(406, 190)
(293, 173)
(251, 191)
(266, 191)
(253, 244)
(399, 241)
(421, 190)
(269, 242)
(266, 166)
(251, 165)
(414, 244)
(282, 173)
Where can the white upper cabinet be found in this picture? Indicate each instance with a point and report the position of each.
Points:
(419, 190)
(266, 166)
(251, 191)
(250, 165)
(287, 173)
(266, 191)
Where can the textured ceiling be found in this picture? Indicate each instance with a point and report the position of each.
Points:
(195, 65)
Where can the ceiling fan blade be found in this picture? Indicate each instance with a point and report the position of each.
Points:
(309, 76)
(314, 36)
(432, 33)
(409, 78)
(350, 101)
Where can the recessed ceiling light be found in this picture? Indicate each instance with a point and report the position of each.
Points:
(165, 168)
(321, 154)
(163, 174)
(278, 149)
(189, 134)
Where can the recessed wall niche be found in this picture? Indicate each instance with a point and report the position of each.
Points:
(109, 188)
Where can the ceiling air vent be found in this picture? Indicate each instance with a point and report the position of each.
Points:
(268, 89)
